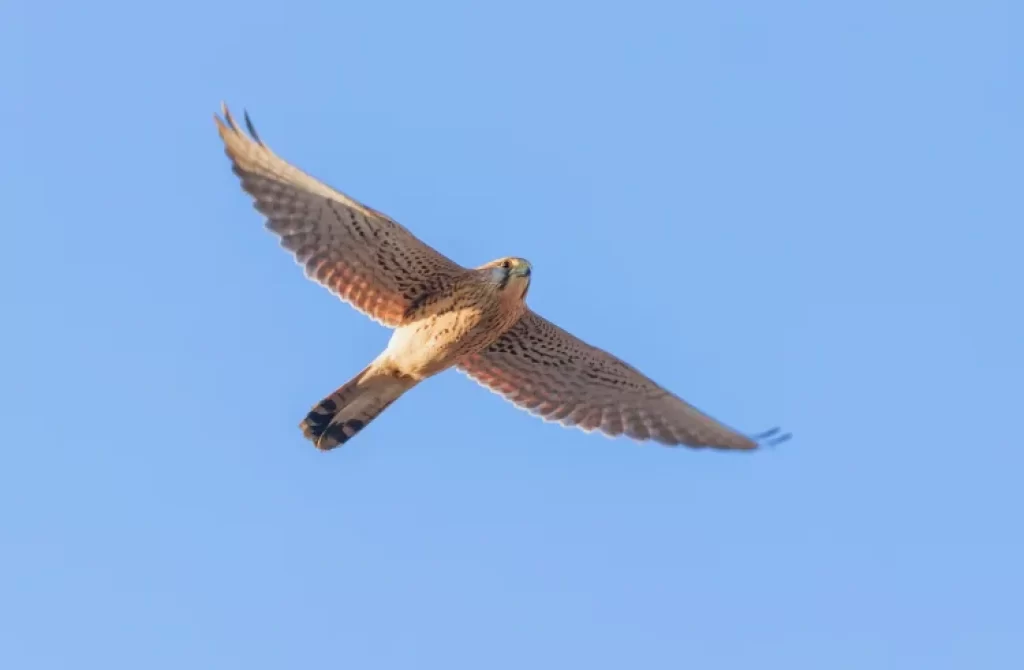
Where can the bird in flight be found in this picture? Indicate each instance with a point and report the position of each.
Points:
(447, 316)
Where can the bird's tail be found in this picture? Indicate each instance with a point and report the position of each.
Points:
(337, 418)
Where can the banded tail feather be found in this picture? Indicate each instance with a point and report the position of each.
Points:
(340, 416)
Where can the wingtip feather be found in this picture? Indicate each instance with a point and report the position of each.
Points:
(251, 128)
(771, 437)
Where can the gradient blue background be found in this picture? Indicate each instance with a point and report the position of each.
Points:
(791, 213)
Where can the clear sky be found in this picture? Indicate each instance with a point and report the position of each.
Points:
(796, 213)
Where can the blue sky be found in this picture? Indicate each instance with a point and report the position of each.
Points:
(795, 213)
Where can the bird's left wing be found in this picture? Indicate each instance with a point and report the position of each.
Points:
(361, 255)
(544, 369)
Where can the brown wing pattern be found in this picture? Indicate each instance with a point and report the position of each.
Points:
(549, 372)
(361, 255)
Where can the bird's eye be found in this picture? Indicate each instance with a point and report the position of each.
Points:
(506, 264)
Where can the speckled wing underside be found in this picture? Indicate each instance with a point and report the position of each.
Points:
(549, 372)
(364, 257)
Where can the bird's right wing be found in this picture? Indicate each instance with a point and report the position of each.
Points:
(547, 371)
(364, 257)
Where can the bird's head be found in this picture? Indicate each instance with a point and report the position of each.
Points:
(510, 274)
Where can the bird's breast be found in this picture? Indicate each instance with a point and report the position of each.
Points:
(436, 340)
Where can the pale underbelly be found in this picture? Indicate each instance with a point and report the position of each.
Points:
(430, 346)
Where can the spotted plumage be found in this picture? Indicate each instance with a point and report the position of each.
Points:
(446, 316)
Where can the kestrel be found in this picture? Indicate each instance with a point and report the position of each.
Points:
(447, 316)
